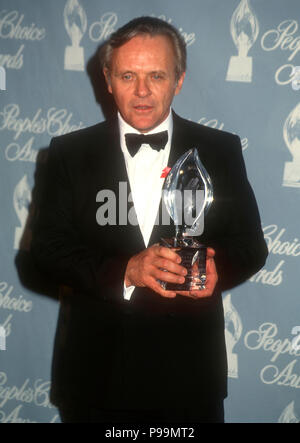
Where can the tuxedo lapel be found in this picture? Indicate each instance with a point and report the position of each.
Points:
(116, 162)
(113, 176)
(134, 232)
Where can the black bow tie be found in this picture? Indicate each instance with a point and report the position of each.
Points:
(157, 141)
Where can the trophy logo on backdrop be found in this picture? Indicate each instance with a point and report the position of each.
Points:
(2, 339)
(21, 201)
(233, 332)
(288, 414)
(244, 29)
(2, 79)
(75, 23)
(291, 136)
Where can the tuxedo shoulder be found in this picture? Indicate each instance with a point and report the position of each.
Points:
(83, 135)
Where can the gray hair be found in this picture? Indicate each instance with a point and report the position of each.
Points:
(150, 26)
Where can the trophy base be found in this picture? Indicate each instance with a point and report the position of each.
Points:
(239, 69)
(193, 258)
(74, 58)
(291, 175)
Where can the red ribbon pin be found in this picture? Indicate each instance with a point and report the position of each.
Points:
(165, 172)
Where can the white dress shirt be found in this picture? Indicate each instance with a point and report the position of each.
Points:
(144, 173)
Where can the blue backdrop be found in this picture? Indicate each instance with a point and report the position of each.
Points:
(242, 76)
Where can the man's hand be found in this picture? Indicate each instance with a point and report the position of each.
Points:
(145, 268)
(211, 278)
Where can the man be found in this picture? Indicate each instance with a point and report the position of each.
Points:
(126, 349)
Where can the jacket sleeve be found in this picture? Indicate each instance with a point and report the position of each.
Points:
(241, 249)
(56, 246)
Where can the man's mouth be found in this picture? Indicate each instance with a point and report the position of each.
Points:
(143, 108)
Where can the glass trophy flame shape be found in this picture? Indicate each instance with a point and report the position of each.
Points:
(187, 195)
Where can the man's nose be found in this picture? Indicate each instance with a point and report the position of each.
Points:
(142, 88)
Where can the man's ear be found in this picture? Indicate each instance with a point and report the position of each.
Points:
(179, 83)
(107, 79)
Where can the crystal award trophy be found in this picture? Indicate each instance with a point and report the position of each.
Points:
(187, 195)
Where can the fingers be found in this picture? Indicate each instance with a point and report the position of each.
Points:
(211, 279)
(170, 266)
(162, 263)
(168, 277)
(167, 253)
(169, 260)
(210, 253)
(155, 286)
(166, 267)
(145, 268)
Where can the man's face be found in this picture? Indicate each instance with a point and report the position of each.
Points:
(142, 80)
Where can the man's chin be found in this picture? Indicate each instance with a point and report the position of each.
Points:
(144, 125)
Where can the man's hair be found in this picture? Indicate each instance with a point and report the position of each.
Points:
(146, 26)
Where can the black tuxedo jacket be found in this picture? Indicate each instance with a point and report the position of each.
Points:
(151, 351)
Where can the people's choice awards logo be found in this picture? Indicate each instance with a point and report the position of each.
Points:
(21, 199)
(244, 29)
(75, 23)
(12, 27)
(284, 37)
(279, 244)
(291, 136)
(265, 338)
(233, 332)
(22, 396)
(52, 122)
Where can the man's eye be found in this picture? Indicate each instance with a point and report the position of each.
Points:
(127, 77)
(157, 76)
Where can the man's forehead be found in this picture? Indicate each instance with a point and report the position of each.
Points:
(144, 50)
(144, 37)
